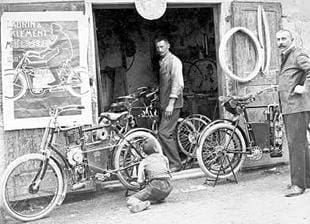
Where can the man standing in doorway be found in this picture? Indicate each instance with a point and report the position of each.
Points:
(294, 92)
(171, 100)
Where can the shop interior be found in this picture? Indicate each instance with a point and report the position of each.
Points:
(127, 57)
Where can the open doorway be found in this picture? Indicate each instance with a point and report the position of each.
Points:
(127, 56)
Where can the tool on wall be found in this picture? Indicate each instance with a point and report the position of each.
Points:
(264, 37)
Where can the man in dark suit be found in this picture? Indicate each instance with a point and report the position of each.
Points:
(294, 92)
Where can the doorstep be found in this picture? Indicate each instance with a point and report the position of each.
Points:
(184, 174)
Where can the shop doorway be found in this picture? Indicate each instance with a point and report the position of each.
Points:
(127, 56)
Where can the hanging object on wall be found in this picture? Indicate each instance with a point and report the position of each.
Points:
(257, 47)
(151, 9)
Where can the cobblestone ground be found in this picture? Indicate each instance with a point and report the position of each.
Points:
(256, 199)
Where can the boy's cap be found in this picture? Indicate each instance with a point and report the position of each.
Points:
(150, 146)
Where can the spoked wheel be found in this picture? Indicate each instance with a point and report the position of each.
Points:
(188, 132)
(77, 82)
(16, 86)
(128, 156)
(221, 151)
(24, 197)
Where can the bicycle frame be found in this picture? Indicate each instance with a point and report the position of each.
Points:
(48, 146)
(253, 132)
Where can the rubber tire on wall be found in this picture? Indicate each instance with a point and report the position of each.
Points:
(259, 52)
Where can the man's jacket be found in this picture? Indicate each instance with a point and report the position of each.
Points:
(295, 68)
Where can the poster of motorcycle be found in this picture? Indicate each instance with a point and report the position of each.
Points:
(44, 64)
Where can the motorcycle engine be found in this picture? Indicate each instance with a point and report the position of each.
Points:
(75, 155)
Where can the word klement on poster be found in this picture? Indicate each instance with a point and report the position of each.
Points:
(44, 65)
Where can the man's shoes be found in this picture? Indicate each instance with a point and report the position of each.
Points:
(295, 191)
(175, 169)
(139, 207)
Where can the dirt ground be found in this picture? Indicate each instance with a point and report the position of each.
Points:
(258, 198)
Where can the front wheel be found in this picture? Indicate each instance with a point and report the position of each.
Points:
(25, 195)
(129, 154)
(16, 86)
(221, 151)
(77, 83)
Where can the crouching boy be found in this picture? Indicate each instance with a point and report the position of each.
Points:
(154, 172)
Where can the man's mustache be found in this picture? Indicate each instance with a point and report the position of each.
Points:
(281, 46)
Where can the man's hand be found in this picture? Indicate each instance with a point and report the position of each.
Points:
(299, 89)
(168, 111)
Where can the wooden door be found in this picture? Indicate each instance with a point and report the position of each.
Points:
(245, 14)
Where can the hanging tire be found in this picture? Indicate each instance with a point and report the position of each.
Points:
(76, 83)
(16, 86)
(221, 151)
(20, 199)
(126, 156)
(258, 50)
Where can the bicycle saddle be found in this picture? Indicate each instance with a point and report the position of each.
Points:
(113, 116)
(129, 97)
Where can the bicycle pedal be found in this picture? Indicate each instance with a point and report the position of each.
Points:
(56, 89)
(276, 154)
(102, 177)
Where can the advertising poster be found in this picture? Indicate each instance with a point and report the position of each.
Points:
(44, 64)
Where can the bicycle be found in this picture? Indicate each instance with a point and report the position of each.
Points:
(188, 131)
(142, 110)
(33, 184)
(23, 77)
(223, 145)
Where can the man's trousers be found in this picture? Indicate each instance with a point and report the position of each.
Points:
(296, 125)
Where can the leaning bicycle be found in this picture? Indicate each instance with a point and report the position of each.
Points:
(33, 184)
(223, 144)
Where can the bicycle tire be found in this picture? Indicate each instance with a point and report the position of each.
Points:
(188, 133)
(124, 156)
(221, 151)
(76, 82)
(17, 83)
(26, 205)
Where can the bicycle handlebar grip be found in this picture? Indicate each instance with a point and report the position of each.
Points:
(152, 93)
(72, 107)
(80, 107)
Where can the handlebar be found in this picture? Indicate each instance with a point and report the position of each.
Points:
(249, 97)
(152, 93)
(234, 104)
(57, 110)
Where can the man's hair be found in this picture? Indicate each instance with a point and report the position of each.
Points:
(161, 38)
(287, 31)
(149, 146)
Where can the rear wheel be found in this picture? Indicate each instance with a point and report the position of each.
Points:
(129, 154)
(221, 151)
(22, 199)
(78, 82)
(188, 132)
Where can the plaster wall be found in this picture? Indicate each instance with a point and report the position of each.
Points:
(295, 17)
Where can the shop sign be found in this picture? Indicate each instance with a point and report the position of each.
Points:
(44, 64)
(151, 9)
